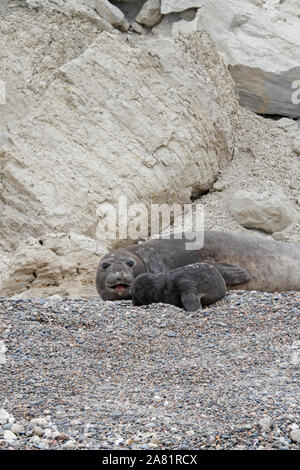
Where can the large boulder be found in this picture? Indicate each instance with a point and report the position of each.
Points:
(149, 120)
(267, 212)
(260, 43)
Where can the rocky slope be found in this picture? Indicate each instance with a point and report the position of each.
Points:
(258, 41)
(97, 109)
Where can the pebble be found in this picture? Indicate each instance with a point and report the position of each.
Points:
(88, 375)
(4, 415)
(17, 428)
(39, 421)
(48, 433)
(9, 436)
(295, 435)
(6, 427)
(265, 424)
(69, 444)
(38, 431)
(35, 439)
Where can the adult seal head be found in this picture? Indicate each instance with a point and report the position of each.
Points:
(115, 274)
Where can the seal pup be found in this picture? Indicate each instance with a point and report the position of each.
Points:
(189, 287)
(273, 266)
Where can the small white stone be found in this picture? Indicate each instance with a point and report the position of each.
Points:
(220, 186)
(265, 424)
(295, 435)
(48, 433)
(39, 421)
(9, 436)
(3, 348)
(17, 428)
(69, 444)
(55, 298)
(43, 444)
(138, 28)
(119, 441)
(4, 416)
(152, 445)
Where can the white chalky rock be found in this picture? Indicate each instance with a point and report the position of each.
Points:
(263, 211)
(9, 436)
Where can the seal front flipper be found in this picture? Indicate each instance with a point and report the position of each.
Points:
(191, 301)
(233, 274)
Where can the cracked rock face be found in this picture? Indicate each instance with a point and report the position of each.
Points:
(149, 125)
(58, 264)
(260, 43)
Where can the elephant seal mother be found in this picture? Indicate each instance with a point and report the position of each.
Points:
(273, 266)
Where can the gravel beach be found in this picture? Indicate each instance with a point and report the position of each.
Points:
(88, 374)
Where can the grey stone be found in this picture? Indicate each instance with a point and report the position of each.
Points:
(150, 14)
(295, 435)
(4, 415)
(111, 14)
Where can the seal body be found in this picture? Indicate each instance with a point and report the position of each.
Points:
(189, 287)
(245, 262)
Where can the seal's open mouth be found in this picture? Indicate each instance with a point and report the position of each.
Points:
(119, 287)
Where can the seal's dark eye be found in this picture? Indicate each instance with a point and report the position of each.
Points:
(105, 265)
(130, 262)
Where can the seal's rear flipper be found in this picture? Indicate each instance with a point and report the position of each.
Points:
(190, 301)
(233, 274)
